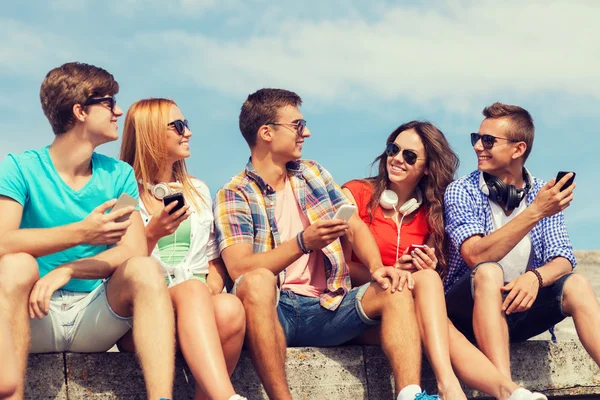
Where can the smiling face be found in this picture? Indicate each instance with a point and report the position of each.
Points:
(399, 171)
(177, 146)
(285, 143)
(503, 153)
(101, 122)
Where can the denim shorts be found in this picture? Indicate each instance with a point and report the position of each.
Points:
(545, 312)
(306, 323)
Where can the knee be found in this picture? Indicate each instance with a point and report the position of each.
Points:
(257, 287)
(144, 272)
(577, 292)
(192, 290)
(427, 278)
(488, 275)
(230, 315)
(18, 273)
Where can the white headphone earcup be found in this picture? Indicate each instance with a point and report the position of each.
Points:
(388, 199)
(160, 190)
(410, 206)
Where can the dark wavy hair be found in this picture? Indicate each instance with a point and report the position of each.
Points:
(442, 164)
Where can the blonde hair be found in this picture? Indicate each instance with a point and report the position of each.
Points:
(143, 147)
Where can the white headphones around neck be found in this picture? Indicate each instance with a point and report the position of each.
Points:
(389, 201)
(160, 190)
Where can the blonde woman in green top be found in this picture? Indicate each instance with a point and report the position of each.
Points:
(210, 323)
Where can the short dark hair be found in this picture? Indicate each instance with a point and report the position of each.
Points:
(521, 126)
(73, 83)
(261, 107)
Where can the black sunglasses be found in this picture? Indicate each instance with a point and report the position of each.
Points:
(180, 125)
(300, 125)
(112, 102)
(487, 141)
(410, 157)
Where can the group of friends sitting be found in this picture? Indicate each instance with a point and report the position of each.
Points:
(410, 258)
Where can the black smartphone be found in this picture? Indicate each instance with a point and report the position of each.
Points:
(560, 175)
(171, 198)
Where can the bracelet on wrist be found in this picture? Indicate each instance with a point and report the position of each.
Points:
(301, 244)
(538, 275)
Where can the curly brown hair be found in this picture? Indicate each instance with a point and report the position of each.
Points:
(442, 163)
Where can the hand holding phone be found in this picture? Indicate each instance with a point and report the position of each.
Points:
(413, 247)
(123, 201)
(174, 197)
(569, 182)
(345, 212)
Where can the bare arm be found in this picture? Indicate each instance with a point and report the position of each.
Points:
(104, 264)
(217, 275)
(493, 247)
(240, 258)
(363, 243)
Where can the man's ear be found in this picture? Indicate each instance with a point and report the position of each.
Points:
(79, 113)
(519, 149)
(265, 133)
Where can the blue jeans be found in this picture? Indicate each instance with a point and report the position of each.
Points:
(545, 312)
(306, 323)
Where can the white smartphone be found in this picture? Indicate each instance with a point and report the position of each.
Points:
(345, 212)
(123, 201)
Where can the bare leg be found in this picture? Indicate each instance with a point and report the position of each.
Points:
(430, 307)
(475, 369)
(231, 324)
(489, 321)
(265, 337)
(199, 339)
(138, 288)
(399, 332)
(18, 274)
(581, 303)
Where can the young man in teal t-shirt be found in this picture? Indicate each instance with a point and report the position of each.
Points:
(72, 274)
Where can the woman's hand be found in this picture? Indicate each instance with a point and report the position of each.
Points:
(162, 223)
(424, 258)
(405, 263)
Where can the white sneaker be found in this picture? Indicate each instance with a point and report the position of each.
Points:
(524, 394)
(237, 397)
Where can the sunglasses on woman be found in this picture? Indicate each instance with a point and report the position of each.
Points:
(300, 125)
(487, 141)
(111, 102)
(180, 125)
(410, 157)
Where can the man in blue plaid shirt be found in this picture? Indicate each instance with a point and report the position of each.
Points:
(510, 267)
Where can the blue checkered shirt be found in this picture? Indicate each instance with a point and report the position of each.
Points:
(468, 213)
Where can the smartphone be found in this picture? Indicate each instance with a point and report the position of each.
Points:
(560, 175)
(123, 201)
(344, 212)
(412, 247)
(171, 198)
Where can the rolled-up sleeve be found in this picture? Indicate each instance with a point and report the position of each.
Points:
(461, 219)
(233, 219)
(556, 239)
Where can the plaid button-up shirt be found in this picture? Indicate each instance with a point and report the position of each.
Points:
(244, 212)
(468, 213)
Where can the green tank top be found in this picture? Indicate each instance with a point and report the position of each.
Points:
(174, 247)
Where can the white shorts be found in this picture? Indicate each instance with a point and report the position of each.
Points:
(79, 322)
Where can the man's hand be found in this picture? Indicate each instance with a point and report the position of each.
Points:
(164, 224)
(523, 291)
(550, 200)
(323, 232)
(398, 277)
(44, 288)
(99, 228)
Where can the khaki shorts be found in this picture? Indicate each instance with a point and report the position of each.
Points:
(79, 322)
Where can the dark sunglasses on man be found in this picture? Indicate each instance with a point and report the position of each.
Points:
(299, 125)
(410, 157)
(487, 141)
(111, 102)
(180, 125)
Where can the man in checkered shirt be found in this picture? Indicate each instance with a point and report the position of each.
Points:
(280, 243)
(510, 267)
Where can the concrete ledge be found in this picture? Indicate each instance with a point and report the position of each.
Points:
(351, 372)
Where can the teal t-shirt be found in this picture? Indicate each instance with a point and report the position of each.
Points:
(31, 179)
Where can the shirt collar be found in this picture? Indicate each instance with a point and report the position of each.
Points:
(295, 168)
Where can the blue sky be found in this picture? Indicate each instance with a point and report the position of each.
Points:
(362, 69)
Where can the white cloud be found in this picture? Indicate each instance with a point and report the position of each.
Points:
(451, 53)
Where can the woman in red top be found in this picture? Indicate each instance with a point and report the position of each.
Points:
(403, 206)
